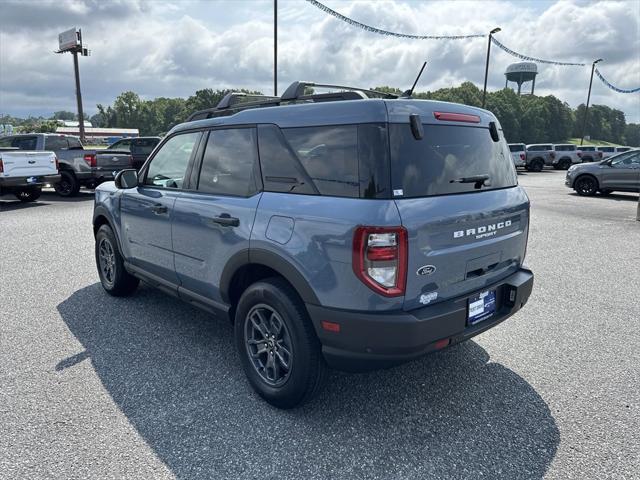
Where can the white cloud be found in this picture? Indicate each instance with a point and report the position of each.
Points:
(159, 49)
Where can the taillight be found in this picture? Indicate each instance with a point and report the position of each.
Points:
(600, 154)
(522, 156)
(456, 117)
(380, 259)
(552, 154)
(580, 154)
(1, 166)
(57, 163)
(91, 160)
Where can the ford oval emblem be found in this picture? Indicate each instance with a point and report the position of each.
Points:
(426, 270)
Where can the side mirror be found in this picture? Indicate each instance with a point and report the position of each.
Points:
(127, 178)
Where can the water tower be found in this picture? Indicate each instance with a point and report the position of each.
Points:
(520, 73)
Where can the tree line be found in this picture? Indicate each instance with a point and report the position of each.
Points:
(524, 118)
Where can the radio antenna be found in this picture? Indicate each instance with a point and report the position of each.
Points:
(409, 92)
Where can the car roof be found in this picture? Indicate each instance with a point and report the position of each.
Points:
(344, 112)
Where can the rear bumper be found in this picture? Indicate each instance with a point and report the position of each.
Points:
(99, 174)
(32, 181)
(368, 341)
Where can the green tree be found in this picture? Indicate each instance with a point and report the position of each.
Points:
(64, 115)
(632, 134)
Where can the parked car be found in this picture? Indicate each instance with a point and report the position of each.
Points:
(78, 166)
(138, 147)
(567, 154)
(589, 153)
(611, 150)
(350, 234)
(620, 172)
(538, 155)
(518, 154)
(23, 174)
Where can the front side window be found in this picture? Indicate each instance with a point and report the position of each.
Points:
(55, 143)
(626, 160)
(229, 163)
(447, 160)
(144, 146)
(124, 145)
(169, 166)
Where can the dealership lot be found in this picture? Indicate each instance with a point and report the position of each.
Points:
(148, 387)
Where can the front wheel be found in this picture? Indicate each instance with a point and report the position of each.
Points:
(277, 344)
(536, 165)
(29, 194)
(586, 186)
(113, 276)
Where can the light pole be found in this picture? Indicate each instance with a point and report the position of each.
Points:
(275, 47)
(486, 68)
(586, 110)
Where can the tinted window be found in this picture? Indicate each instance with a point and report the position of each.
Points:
(606, 149)
(330, 157)
(623, 149)
(628, 158)
(565, 148)
(229, 163)
(74, 143)
(55, 143)
(588, 149)
(144, 146)
(169, 165)
(124, 145)
(281, 170)
(447, 154)
(25, 143)
(516, 148)
(538, 148)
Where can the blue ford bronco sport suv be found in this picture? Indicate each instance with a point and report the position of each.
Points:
(351, 230)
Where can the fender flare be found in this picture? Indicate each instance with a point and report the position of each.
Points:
(267, 258)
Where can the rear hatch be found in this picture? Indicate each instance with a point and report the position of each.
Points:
(465, 215)
(22, 163)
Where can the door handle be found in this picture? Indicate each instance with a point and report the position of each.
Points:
(226, 220)
(159, 209)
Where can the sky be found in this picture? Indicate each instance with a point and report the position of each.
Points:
(173, 48)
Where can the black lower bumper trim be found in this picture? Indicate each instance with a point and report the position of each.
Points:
(369, 340)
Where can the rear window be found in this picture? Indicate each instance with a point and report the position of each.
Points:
(25, 143)
(516, 148)
(447, 154)
(53, 142)
(565, 148)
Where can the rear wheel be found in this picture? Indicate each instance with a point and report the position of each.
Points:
(277, 344)
(68, 186)
(536, 165)
(564, 164)
(586, 186)
(29, 194)
(113, 276)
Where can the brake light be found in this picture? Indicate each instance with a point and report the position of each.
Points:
(1, 166)
(522, 156)
(600, 154)
(552, 154)
(90, 159)
(57, 163)
(380, 259)
(580, 154)
(456, 117)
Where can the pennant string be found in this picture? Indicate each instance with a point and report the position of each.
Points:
(613, 87)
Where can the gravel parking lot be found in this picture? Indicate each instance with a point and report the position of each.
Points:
(148, 387)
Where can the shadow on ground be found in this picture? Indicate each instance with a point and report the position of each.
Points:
(629, 197)
(8, 205)
(173, 372)
(82, 196)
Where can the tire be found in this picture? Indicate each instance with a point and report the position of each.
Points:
(270, 321)
(68, 186)
(113, 276)
(536, 165)
(564, 164)
(586, 185)
(29, 194)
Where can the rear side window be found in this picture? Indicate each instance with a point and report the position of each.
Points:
(445, 160)
(55, 143)
(330, 157)
(25, 143)
(606, 149)
(230, 162)
(516, 148)
(588, 149)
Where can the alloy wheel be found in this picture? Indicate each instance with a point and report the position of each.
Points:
(107, 259)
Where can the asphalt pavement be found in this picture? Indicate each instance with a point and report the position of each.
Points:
(148, 387)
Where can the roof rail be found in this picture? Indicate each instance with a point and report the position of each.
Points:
(233, 102)
(296, 91)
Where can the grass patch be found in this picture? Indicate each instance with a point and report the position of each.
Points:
(598, 143)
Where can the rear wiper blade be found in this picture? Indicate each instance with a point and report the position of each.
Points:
(478, 180)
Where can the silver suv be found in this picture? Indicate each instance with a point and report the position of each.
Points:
(620, 173)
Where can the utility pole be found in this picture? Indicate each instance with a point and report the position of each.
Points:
(586, 110)
(275, 47)
(486, 68)
(78, 95)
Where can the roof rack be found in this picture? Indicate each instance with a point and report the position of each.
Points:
(234, 102)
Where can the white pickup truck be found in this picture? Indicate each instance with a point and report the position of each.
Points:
(24, 173)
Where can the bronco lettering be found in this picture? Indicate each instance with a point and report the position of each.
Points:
(483, 231)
